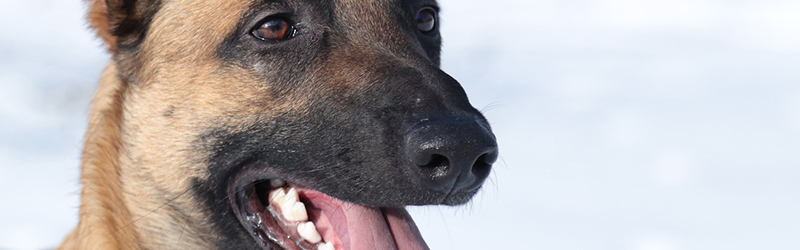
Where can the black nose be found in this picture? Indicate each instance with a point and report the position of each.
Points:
(451, 154)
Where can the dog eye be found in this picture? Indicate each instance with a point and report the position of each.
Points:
(274, 29)
(426, 19)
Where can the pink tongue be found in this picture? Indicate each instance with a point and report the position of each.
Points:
(355, 227)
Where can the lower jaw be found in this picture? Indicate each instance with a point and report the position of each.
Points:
(265, 223)
(281, 216)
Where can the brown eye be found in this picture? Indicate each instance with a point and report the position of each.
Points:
(426, 19)
(275, 28)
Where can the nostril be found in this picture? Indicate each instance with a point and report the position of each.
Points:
(437, 167)
(450, 154)
(483, 165)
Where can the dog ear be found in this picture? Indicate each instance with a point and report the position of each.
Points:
(121, 23)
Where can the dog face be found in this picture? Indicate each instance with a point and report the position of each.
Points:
(230, 104)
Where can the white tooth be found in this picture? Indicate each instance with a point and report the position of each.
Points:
(288, 201)
(277, 195)
(291, 195)
(325, 246)
(276, 183)
(309, 232)
(294, 211)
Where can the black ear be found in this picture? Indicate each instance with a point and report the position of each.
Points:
(121, 23)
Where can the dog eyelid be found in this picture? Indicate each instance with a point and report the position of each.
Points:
(274, 28)
(426, 19)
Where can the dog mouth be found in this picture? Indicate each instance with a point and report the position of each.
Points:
(281, 215)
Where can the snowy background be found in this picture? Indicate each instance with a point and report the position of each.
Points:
(623, 124)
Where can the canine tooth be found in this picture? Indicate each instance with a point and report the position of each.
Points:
(276, 183)
(325, 246)
(309, 232)
(291, 195)
(294, 211)
(288, 199)
(277, 195)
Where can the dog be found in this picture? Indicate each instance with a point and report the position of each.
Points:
(273, 124)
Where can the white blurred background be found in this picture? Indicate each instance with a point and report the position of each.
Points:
(623, 124)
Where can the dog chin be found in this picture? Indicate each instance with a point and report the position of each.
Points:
(282, 215)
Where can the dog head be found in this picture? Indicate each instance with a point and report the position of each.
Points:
(341, 101)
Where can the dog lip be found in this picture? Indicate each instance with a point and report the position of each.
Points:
(348, 226)
(252, 214)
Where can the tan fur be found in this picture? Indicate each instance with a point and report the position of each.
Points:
(140, 154)
(128, 162)
(103, 215)
(99, 21)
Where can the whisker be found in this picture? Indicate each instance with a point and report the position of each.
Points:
(490, 107)
(154, 210)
